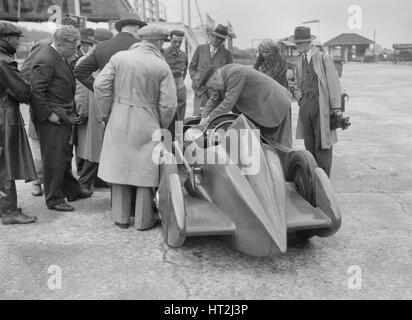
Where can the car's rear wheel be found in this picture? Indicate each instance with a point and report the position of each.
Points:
(301, 171)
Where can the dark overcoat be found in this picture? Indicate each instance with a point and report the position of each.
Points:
(101, 56)
(16, 161)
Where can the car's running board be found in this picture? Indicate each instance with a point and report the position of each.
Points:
(205, 219)
(300, 215)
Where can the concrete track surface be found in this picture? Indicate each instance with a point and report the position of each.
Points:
(373, 179)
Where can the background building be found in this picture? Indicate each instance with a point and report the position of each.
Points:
(348, 47)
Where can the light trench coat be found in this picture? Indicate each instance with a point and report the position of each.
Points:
(329, 97)
(136, 91)
(91, 132)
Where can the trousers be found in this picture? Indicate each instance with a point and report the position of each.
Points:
(56, 152)
(8, 196)
(122, 206)
(309, 115)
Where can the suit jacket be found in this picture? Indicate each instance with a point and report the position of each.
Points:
(101, 56)
(252, 93)
(329, 96)
(53, 86)
(202, 59)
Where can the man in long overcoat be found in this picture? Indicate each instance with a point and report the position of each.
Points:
(206, 55)
(136, 92)
(261, 99)
(321, 96)
(90, 131)
(16, 161)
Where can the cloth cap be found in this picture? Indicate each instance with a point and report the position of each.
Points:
(153, 33)
(8, 29)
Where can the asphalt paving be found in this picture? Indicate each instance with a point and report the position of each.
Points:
(82, 255)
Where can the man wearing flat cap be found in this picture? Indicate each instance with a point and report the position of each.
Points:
(178, 62)
(136, 95)
(127, 26)
(244, 90)
(212, 54)
(320, 96)
(16, 161)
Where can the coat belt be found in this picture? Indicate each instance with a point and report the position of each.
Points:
(134, 103)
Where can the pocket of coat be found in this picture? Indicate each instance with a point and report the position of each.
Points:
(13, 117)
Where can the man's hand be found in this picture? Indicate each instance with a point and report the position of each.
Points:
(297, 93)
(79, 119)
(338, 112)
(204, 122)
(54, 118)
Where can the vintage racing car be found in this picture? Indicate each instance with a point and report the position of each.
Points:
(253, 211)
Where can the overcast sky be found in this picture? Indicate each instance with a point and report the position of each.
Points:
(257, 19)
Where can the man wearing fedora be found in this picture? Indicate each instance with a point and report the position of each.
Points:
(320, 96)
(128, 27)
(135, 107)
(212, 54)
(16, 162)
(90, 130)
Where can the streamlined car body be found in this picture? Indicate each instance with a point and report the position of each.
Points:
(227, 181)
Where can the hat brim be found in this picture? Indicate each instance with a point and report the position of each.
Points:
(120, 24)
(303, 40)
(218, 35)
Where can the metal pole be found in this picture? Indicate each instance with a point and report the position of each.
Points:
(189, 14)
(19, 10)
(77, 7)
(157, 16)
(144, 16)
(319, 31)
(182, 9)
(201, 18)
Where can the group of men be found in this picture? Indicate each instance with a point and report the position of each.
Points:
(127, 87)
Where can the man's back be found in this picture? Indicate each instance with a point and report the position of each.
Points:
(101, 56)
(27, 66)
(259, 97)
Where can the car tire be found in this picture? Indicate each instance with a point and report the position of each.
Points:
(301, 171)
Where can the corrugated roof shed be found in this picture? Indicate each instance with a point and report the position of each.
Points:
(348, 39)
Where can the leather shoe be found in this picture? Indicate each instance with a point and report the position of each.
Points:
(62, 207)
(17, 217)
(36, 190)
(81, 195)
(100, 184)
(122, 226)
(153, 225)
